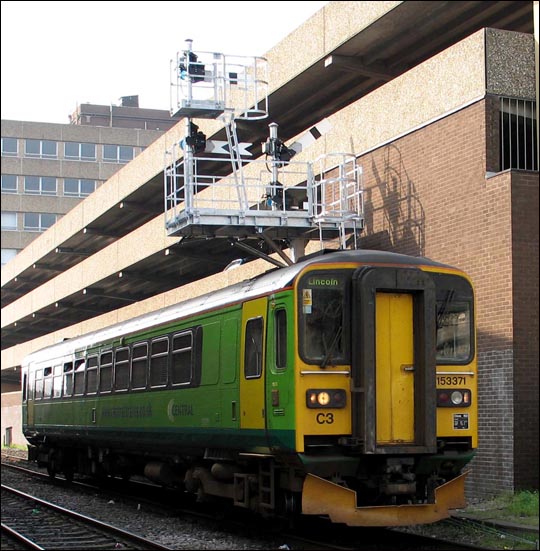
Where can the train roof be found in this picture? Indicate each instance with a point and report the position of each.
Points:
(271, 281)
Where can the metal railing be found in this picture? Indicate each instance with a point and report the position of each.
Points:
(207, 84)
(323, 194)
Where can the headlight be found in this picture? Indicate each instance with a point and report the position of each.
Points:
(323, 398)
(448, 398)
(456, 397)
(326, 398)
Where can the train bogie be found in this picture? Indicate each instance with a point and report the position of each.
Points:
(350, 376)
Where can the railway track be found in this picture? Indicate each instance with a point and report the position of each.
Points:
(321, 534)
(39, 524)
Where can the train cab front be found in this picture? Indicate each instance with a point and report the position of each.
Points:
(378, 447)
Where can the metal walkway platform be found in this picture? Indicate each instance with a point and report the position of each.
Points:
(226, 194)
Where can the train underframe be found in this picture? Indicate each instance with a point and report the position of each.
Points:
(358, 490)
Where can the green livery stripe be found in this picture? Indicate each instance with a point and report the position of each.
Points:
(173, 438)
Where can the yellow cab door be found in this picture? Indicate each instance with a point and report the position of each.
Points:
(393, 360)
(394, 370)
(252, 401)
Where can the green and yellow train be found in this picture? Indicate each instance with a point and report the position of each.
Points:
(343, 385)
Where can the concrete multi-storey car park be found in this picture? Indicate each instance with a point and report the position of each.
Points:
(437, 100)
(48, 168)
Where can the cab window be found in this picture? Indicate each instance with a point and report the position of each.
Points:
(453, 331)
(322, 318)
(454, 319)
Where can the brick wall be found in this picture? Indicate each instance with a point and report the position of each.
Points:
(427, 194)
(493, 467)
(525, 232)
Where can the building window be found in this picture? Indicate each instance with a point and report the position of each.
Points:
(44, 149)
(80, 151)
(7, 255)
(9, 221)
(118, 153)
(40, 185)
(10, 147)
(518, 134)
(74, 187)
(38, 221)
(9, 183)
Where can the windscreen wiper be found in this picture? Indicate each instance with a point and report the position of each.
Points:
(333, 344)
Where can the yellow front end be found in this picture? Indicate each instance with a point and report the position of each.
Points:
(392, 418)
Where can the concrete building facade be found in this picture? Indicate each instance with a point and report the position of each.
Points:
(443, 177)
(48, 168)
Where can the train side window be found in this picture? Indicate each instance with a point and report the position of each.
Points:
(105, 371)
(139, 365)
(24, 389)
(68, 379)
(38, 388)
(78, 377)
(31, 383)
(47, 382)
(280, 330)
(57, 381)
(91, 374)
(121, 369)
(253, 348)
(182, 358)
(158, 362)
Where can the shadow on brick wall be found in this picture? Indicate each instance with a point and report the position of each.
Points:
(394, 215)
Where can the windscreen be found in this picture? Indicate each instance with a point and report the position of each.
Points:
(455, 335)
(323, 318)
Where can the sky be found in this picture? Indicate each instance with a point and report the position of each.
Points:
(57, 55)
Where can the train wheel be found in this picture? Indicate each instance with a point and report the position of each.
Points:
(68, 473)
(288, 510)
(51, 465)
